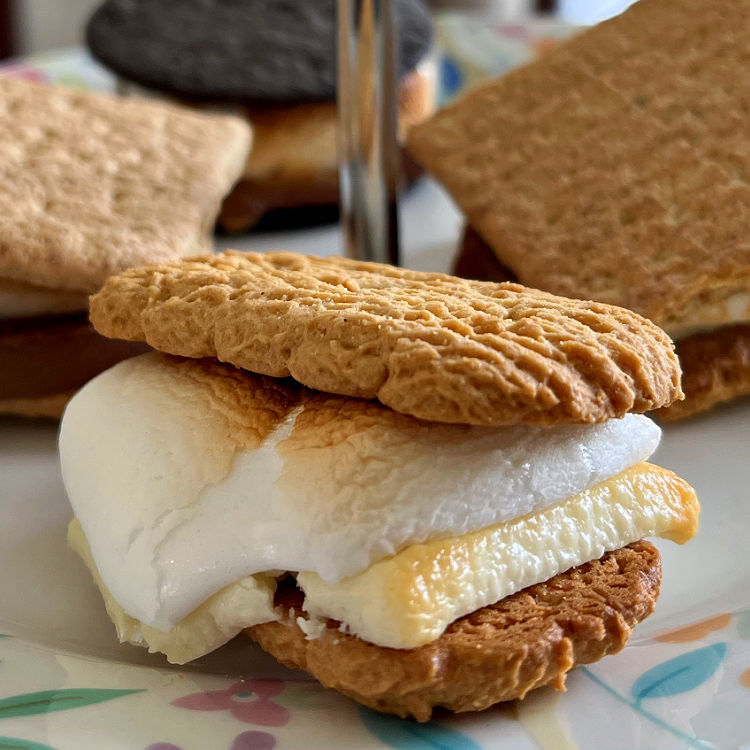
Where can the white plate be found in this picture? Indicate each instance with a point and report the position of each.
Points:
(66, 684)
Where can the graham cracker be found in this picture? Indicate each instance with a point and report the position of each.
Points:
(429, 345)
(617, 167)
(91, 184)
(498, 653)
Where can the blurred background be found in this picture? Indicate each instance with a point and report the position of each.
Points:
(32, 26)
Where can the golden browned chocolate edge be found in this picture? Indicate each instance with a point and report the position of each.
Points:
(429, 345)
(498, 653)
(716, 369)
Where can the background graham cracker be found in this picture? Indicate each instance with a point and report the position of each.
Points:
(91, 184)
(617, 167)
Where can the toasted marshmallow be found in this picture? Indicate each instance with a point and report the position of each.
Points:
(208, 476)
(408, 599)
(216, 621)
(20, 300)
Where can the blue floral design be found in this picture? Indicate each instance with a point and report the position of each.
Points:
(405, 734)
(672, 677)
(681, 674)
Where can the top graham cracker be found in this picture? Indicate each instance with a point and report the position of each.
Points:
(429, 345)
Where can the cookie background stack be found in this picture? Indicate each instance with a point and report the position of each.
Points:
(614, 169)
(91, 185)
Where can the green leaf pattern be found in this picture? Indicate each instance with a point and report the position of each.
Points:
(30, 704)
(11, 743)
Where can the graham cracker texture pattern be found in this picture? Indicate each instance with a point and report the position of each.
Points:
(429, 345)
(616, 167)
(91, 184)
(498, 653)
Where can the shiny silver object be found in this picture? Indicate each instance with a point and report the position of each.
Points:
(369, 159)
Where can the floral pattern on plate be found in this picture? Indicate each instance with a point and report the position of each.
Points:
(685, 688)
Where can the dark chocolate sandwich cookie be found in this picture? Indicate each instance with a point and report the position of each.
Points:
(246, 51)
(274, 63)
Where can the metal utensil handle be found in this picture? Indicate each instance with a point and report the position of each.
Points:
(367, 111)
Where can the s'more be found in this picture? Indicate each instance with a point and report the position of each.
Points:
(615, 168)
(425, 491)
(91, 185)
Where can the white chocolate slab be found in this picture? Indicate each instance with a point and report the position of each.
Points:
(408, 600)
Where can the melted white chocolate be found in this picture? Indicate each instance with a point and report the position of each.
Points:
(409, 599)
(240, 605)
